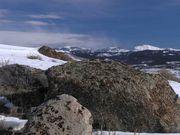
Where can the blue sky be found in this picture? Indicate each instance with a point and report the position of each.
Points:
(90, 23)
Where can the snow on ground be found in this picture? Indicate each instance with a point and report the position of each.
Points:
(12, 122)
(175, 86)
(175, 72)
(128, 133)
(18, 55)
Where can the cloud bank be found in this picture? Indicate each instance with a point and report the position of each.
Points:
(37, 39)
(129, 22)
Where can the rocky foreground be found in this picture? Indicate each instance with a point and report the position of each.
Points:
(118, 97)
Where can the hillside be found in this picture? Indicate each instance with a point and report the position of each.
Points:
(26, 56)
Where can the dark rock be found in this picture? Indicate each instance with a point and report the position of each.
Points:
(22, 85)
(9, 132)
(47, 51)
(119, 97)
(62, 115)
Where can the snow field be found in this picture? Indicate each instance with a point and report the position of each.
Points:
(19, 55)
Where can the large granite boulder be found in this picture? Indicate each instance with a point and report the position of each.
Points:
(62, 115)
(22, 85)
(118, 96)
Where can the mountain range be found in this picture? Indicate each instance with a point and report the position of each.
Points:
(142, 56)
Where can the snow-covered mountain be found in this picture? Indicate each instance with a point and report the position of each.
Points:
(152, 48)
(141, 56)
(26, 56)
(69, 49)
(146, 47)
(110, 51)
(113, 50)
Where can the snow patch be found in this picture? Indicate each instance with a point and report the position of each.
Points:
(12, 122)
(175, 86)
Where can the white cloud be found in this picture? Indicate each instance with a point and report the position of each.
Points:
(37, 23)
(46, 16)
(47, 38)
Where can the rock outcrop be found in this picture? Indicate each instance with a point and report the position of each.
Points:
(50, 52)
(22, 85)
(118, 96)
(62, 115)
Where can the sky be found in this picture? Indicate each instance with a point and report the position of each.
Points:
(90, 23)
